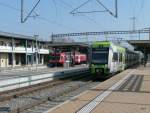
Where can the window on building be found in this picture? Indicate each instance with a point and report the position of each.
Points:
(2, 43)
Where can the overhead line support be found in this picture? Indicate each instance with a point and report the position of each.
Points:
(23, 20)
(100, 33)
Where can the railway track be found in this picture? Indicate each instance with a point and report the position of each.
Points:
(56, 101)
(26, 99)
(7, 95)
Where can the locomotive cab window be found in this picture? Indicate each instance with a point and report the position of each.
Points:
(100, 55)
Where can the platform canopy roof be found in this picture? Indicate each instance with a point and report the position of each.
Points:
(14, 35)
(143, 45)
(73, 44)
(19, 36)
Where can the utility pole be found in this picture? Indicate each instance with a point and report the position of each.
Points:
(133, 24)
(22, 4)
(24, 19)
(116, 8)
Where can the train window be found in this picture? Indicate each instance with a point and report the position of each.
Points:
(115, 57)
(100, 57)
(120, 57)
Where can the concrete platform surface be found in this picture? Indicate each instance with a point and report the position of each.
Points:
(126, 92)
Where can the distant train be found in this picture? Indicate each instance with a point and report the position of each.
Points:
(61, 57)
(107, 57)
(80, 58)
(56, 59)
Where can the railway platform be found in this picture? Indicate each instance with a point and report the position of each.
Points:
(126, 92)
(11, 79)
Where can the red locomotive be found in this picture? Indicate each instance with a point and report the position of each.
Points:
(60, 58)
(57, 58)
(80, 58)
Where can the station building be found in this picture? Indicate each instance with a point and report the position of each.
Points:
(20, 50)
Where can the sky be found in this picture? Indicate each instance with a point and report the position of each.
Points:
(54, 16)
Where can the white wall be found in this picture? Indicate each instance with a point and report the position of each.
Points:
(3, 60)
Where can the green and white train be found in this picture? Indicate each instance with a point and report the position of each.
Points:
(108, 57)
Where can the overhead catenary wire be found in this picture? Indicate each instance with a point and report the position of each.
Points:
(87, 17)
(40, 18)
(137, 9)
(72, 12)
(56, 12)
(23, 20)
(114, 14)
(141, 7)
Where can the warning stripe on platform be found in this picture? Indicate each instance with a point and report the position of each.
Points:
(92, 104)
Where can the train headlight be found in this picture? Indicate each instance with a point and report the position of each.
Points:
(92, 65)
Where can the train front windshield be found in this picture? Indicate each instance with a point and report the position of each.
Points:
(100, 56)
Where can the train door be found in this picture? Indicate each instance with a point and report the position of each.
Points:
(114, 59)
(123, 61)
(120, 62)
(114, 63)
(110, 59)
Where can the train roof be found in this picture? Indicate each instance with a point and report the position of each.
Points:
(107, 44)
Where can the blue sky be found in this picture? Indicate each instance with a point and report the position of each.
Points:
(54, 16)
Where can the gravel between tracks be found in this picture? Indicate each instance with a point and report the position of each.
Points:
(54, 102)
(59, 91)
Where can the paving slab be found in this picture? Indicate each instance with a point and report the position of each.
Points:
(126, 92)
(108, 107)
(128, 98)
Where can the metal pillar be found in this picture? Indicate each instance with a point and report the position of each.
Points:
(39, 58)
(26, 53)
(149, 33)
(13, 56)
(36, 50)
(39, 55)
(32, 58)
(139, 36)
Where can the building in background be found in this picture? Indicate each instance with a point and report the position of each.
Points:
(19, 50)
